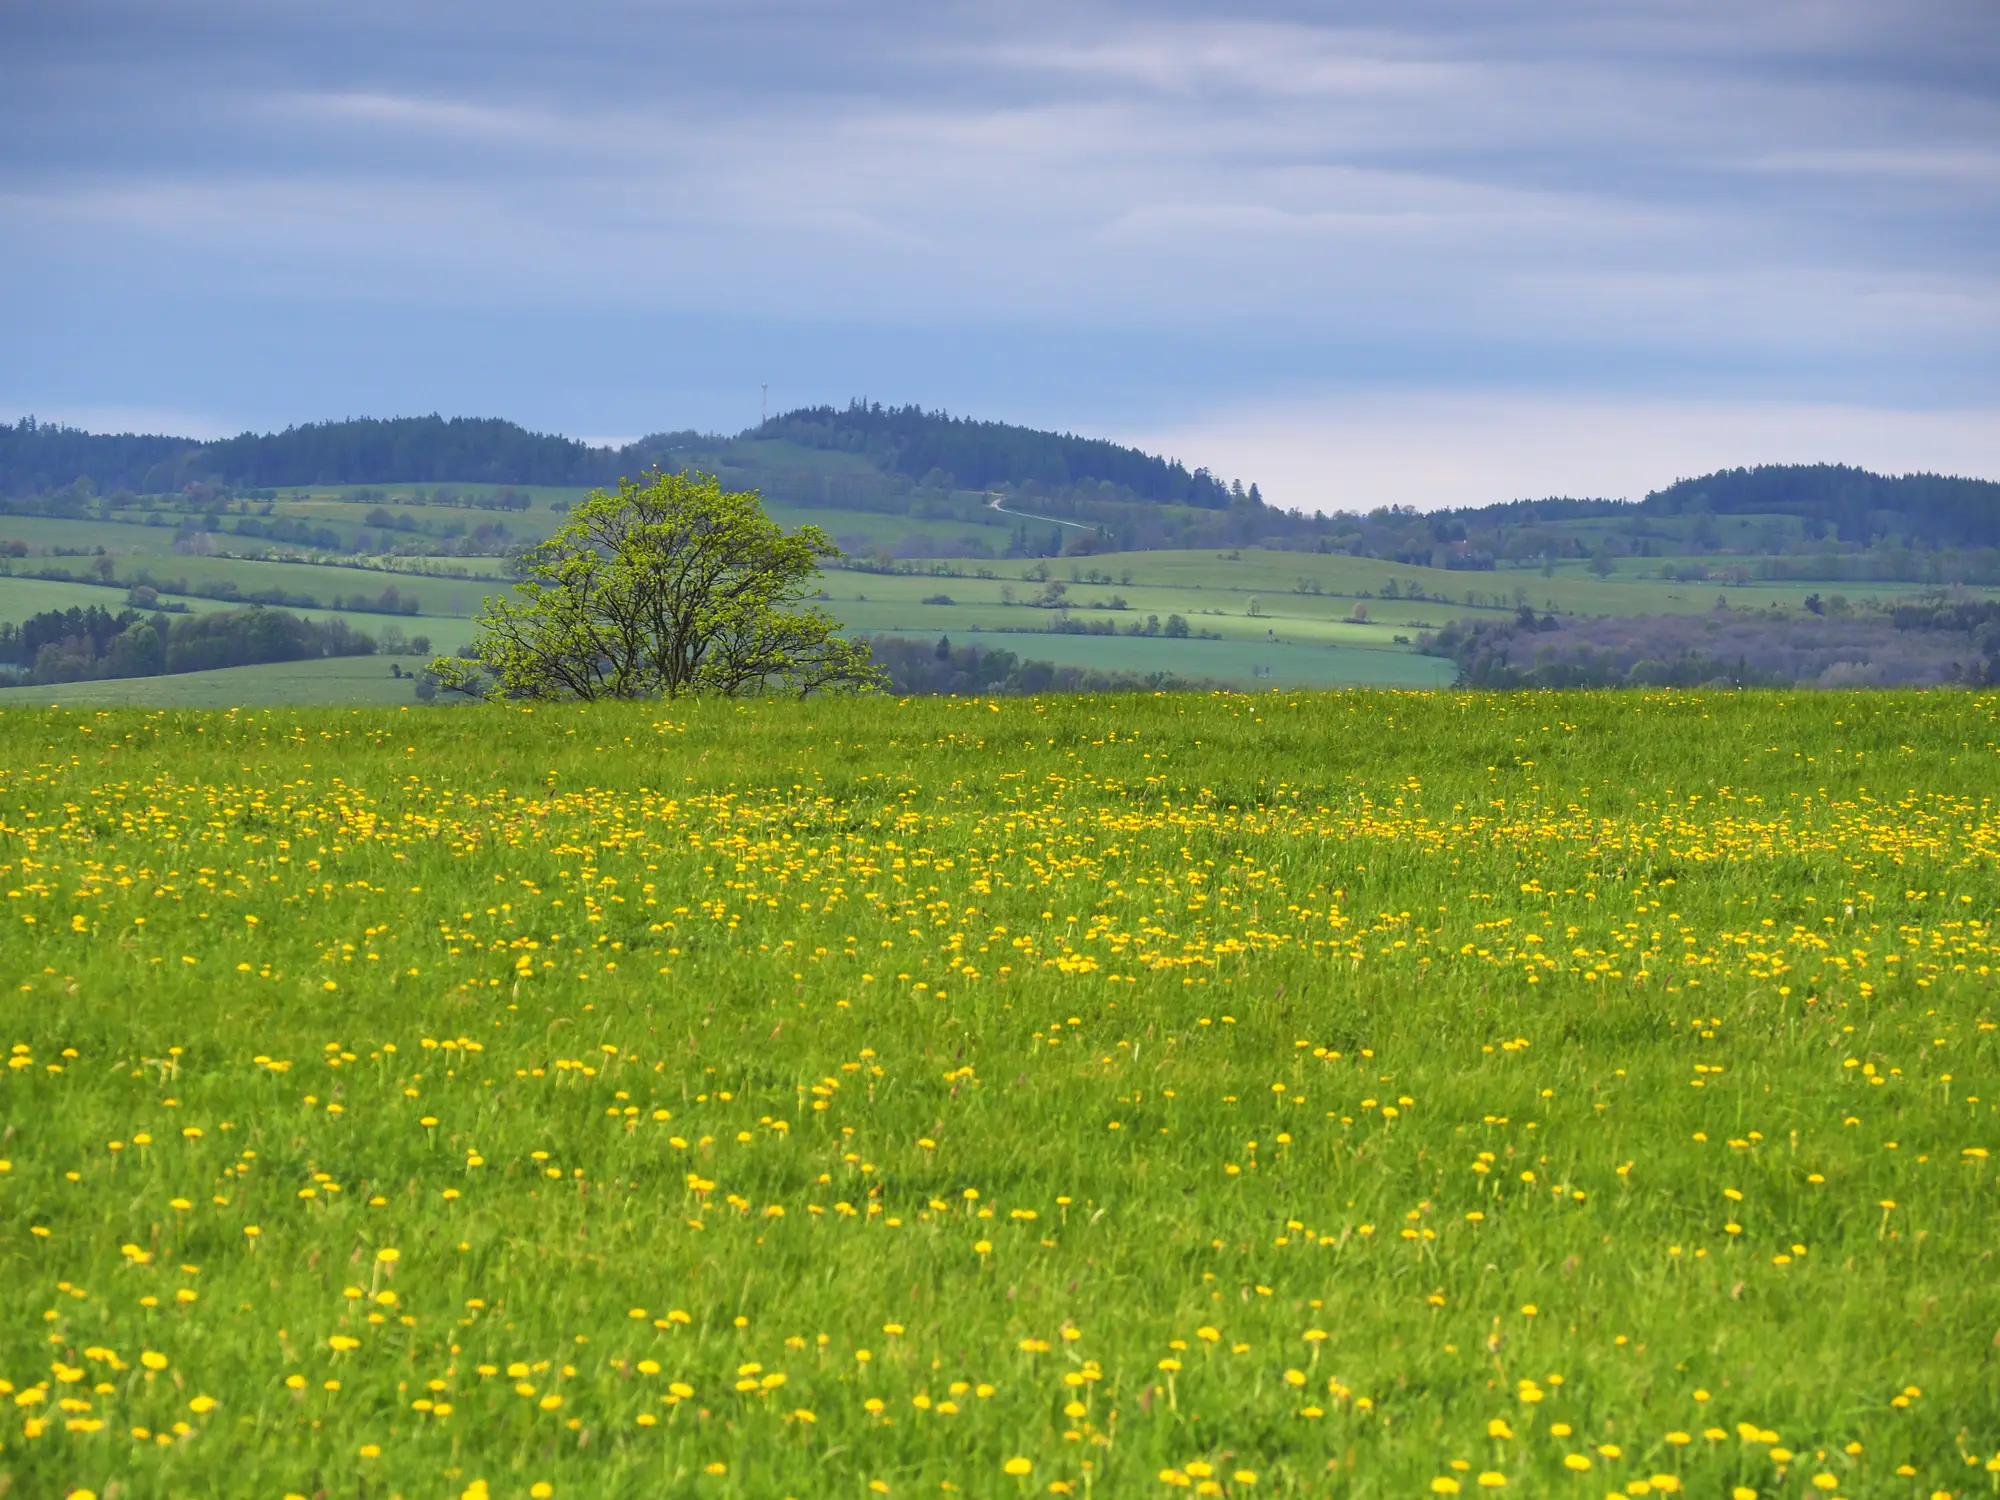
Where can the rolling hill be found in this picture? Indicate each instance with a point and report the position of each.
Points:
(1007, 490)
(1084, 554)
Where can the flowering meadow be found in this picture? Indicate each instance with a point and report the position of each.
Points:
(1301, 1095)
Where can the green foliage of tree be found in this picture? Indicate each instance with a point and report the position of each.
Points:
(667, 587)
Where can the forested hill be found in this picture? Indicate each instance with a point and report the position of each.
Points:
(39, 457)
(940, 451)
(904, 460)
(1832, 499)
(463, 450)
(926, 447)
(1852, 503)
(36, 457)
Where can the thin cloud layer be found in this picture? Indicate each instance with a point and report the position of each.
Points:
(1658, 200)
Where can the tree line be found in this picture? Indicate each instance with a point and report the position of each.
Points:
(85, 644)
(1933, 509)
(923, 668)
(1931, 643)
(38, 457)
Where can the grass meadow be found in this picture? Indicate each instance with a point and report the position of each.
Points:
(345, 681)
(1354, 1094)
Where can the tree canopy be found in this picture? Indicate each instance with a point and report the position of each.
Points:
(1861, 506)
(77, 645)
(976, 455)
(666, 587)
(36, 457)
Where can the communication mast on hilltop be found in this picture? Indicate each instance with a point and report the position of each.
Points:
(764, 405)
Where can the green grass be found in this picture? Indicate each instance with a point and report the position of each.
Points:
(342, 680)
(861, 531)
(366, 679)
(1571, 588)
(436, 596)
(22, 597)
(1228, 661)
(892, 603)
(1367, 1093)
(117, 537)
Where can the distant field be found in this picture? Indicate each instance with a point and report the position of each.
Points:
(116, 537)
(1570, 587)
(542, 498)
(435, 595)
(1215, 591)
(337, 681)
(22, 597)
(876, 616)
(1299, 618)
(366, 680)
(861, 531)
(1244, 663)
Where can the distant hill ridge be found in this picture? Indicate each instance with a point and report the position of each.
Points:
(961, 452)
(914, 453)
(1853, 503)
(37, 457)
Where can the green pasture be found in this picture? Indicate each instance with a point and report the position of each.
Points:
(1291, 1094)
(22, 597)
(120, 538)
(1216, 592)
(352, 499)
(1634, 589)
(1249, 663)
(436, 595)
(1300, 618)
(863, 532)
(884, 602)
(342, 680)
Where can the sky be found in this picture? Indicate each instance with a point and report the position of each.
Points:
(1429, 252)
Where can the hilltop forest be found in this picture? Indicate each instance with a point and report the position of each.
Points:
(1052, 492)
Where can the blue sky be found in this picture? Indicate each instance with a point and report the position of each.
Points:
(1420, 252)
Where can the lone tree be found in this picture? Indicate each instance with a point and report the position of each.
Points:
(668, 587)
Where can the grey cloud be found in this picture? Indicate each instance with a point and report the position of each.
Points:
(1793, 182)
